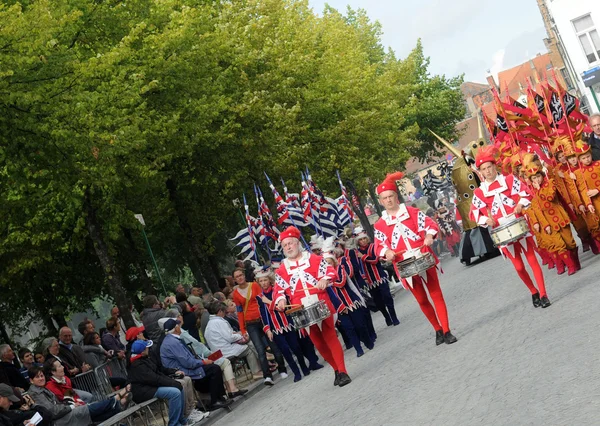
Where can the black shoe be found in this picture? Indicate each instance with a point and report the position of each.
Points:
(336, 382)
(439, 337)
(389, 322)
(306, 372)
(316, 366)
(396, 322)
(449, 338)
(237, 393)
(545, 302)
(219, 404)
(536, 300)
(344, 379)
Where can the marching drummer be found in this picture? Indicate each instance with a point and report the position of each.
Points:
(498, 200)
(405, 232)
(304, 279)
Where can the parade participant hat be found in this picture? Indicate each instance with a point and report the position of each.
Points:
(487, 154)
(532, 169)
(581, 147)
(515, 160)
(389, 183)
(133, 332)
(359, 233)
(140, 346)
(328, 248)
(289, 232)
(262, 271)
(316, 242)
(507, 165)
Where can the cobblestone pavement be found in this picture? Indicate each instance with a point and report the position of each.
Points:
(512, 365)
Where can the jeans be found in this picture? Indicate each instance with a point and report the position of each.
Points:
(259, 339)
(175, 400)
(86, 396)
(104, 410)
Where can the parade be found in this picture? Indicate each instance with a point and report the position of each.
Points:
(236, 213)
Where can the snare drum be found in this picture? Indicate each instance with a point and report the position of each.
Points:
(309, 315)
(509, 232)
(415, 265)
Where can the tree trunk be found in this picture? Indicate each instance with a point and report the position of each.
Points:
(144, 280)
(4, 335)
(210, 281)
(358, 208)
(113, 275)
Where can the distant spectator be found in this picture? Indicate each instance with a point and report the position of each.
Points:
(65, 414)
(207, 376)
(111, 340)
(26, 358)
(189, 320)
(219, 296)
(52, 350)
(116, 313)
(195, 296)
(27, 410)
(71, 354)
(153, 311)
(39, 358)
(10, 370)
(248, 271)
(231, 315)
(205, 316)
(96, 355)
(86, 326)
(133, 334)
(228, 291)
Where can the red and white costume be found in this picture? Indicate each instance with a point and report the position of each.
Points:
(404, 233)
(298, 279)
(497, 200)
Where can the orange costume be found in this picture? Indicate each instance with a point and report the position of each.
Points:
(588, 178)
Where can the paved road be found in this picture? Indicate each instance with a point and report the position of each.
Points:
(512, 365)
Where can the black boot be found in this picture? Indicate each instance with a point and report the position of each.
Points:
(545, 302)
(439, 337)
(449, 338)
(344, 379)
(336, 382)
(536, 300)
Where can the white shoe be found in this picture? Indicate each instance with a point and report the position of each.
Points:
(283, 375)
(268, 381)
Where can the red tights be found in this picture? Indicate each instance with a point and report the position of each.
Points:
(327, 343)
(517, 262)
(440, 313)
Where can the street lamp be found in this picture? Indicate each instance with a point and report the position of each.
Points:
(140, 218)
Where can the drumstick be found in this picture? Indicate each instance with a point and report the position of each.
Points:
(291, 306)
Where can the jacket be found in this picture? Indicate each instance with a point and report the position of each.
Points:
(110, 342)
(60, 390)
(74, 357)
(94, 355)
(220, 336)
(175, 354)
(189, 324)
(14, 376)
(150, 317)
(146, 377)
(62, 414)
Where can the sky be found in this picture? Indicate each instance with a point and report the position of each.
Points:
(459, 36)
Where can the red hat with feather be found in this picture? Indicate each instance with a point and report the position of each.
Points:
(389, 183)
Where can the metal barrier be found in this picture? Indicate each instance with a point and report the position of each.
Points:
(103, 376)
(116, 368)
(90, 382)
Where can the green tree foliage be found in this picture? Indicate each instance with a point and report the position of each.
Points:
(173, 108)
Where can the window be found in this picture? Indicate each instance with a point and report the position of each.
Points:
(588, 37)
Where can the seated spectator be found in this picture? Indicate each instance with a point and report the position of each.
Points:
(207, 376)
(204, 318)
(202, 352)
(189, 320)
(180, 289)
(71, 354)
(148, 381)
(153, 311)
(231, 315)
(133, 334)
(10, 370)
(65, 414)
(52, 350)
(195, 296)
(96, 355)
(219, 296)
(39, 358)
(220, 336)
(86, 326)
(228, 291)
(26, 358)
(180, 297)
(59, 384)
(19, 417)
(111, 340)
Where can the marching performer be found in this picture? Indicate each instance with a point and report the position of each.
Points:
(352, 317)
(399, 233)
(588, 184)
(376, 277)
(278, 326)
(300, 277)
(552, 218)
(497, 198)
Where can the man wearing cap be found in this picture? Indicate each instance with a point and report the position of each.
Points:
(302, 275)
(498, 200)
(206, 375)
(10, 417)
(403, 232)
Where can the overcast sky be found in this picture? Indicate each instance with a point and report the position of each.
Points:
(459, 36)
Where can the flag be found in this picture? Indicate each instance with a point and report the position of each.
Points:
(271, 230)
(344, 200)
(288, 214)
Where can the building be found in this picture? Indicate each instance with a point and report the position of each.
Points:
(575, 25)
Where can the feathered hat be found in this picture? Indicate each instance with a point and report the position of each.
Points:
(581, 147)
(359, 233)
(262, 271)
(486, 154)
(389, 183)
(316, 242)
(328, 248)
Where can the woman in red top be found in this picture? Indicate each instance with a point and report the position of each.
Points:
(244, 296)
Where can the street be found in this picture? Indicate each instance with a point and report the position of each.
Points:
(513, 364)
